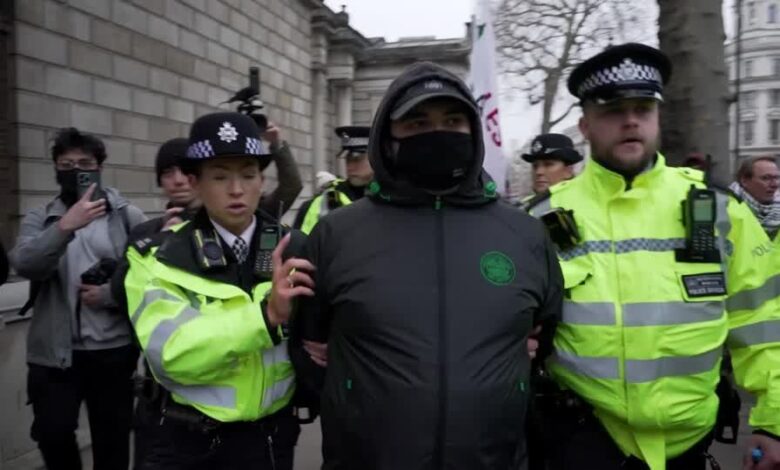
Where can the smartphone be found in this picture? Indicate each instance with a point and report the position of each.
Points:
(85, 179)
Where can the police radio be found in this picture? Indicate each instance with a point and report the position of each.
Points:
(270, 235)
(699, 219)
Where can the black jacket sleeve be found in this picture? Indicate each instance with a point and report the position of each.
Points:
(310, 321)
(551, 310)
(3, 265)
(289, 178)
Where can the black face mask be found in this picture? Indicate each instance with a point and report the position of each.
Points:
(435, 161)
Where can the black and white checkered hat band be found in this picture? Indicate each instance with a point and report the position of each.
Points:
(355, 142)
(200, 150)
(619, 74)
(254, 146)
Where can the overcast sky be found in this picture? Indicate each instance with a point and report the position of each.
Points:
(392, 19)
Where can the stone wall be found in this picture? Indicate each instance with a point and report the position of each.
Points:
(137, 73)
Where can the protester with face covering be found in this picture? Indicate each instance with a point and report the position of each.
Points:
(78, 348)
(427, 292)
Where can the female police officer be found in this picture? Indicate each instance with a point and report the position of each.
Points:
(208, 303)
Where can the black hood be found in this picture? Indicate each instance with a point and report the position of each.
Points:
(478, 188)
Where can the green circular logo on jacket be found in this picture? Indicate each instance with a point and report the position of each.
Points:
(497, 268)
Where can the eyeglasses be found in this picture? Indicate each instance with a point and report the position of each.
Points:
(769, 178)
(82, 164)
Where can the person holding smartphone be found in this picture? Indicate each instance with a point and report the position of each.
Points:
(78, 349)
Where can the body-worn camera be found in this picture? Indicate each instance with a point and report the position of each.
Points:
(249, 102)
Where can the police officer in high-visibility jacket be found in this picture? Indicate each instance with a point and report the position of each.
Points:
(661, 272)
(208, 304)
(339, 193)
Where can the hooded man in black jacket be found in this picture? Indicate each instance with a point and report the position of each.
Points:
(427, 293)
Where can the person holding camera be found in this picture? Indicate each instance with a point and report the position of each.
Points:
(78, 349)
(208, 301)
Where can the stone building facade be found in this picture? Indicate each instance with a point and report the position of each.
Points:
(138, 72)
(759, 114)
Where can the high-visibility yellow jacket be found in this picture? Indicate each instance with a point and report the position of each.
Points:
(321, 205)
(642, 334)
(206, 340)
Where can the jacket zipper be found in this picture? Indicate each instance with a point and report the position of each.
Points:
(442, 421)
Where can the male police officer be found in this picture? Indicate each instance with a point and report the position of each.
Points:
(552, 158)
(354, 148)
(208, 303)
(427, 308)
(660, 273)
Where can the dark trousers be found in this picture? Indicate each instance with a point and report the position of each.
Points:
(102, 379)
(578, 440)
(268, 444)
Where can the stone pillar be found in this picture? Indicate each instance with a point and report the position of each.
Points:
(319, 102)
(343, 116)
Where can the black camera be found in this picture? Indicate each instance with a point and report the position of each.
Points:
(249, 102)
(100, 273)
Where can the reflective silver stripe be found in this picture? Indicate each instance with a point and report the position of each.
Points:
(149, 297)
(276, 355)
(593, 367)
(648, 244)
(754, 298)
(224, 397)
(723, 224)
(589, 313)
(541, 208)
(277, 391)
(758, 333)
(324, 209)
(639, 371)
(670, 313)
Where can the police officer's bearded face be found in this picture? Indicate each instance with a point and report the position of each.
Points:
(230, 190)
(176, 186)
(549, 172)
(359, 171)
(623, 134)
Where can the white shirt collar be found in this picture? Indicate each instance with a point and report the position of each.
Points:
(230, 238)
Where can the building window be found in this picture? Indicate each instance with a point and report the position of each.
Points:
(748, 72)
(776, 66)
(747, 132)
(772, 14)
(748, 99)
(774, 131)
(752, 12)
(775, 98)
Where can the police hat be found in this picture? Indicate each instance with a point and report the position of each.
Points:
(225, 134)
(169, 155)
(553, 147)
(626, 71)
(425, 90)
(354, 139)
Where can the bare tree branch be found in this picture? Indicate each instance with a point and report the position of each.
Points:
(540, 41)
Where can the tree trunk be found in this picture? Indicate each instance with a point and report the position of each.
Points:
(695, 115)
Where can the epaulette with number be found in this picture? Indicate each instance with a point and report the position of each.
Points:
(698, 176)
(144, 245)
